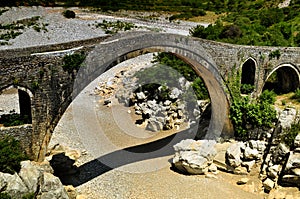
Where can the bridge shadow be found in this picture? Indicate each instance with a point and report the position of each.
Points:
(119, 158)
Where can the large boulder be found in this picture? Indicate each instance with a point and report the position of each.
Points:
(13, 185)
(52, 188)
(194, 157)
(31, 175)
(33, 178)
(234, 153)
(287, 117)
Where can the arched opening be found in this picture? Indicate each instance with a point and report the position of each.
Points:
(283, 79)
(248, 76)
(101, 59)
(15, 106)
(116, 50)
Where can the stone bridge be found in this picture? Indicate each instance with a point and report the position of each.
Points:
(48, 90)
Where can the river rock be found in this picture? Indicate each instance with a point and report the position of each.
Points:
(297, 141)
(268, 184)
(242, 181)
(251, 154)
(233, 154)
(175, 93)
(52, 188)
(13, 185)
(273, 171)
(293, 161)
(31, 175)
(248, 164)
(194, 157)
(287, 117)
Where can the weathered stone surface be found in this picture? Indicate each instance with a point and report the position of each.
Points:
(268, 184)
(296, 171)
(175, 93)
(293, 161)
(71, 191)
(240, 170)
(297, 141)
(259, 145)
(52, 188)
(32, 178)
(14, 185)
(273, 171)
(251, 154)
(213, 168)
(155, 125)
(31, 175)
(233, 154)
(248, 164)
(194, 157)
(293, 180)
(242, 181)
(279, 153)
(287, 117)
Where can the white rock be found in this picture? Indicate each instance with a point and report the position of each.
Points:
(268, 184)
(297, 141)
(233, 154)
(194, 157)
(242, 181)
(14, 185)
(248, 165)
(273, 171)
(251, 154)
(52, 188)
(30, 175)
(212, 168)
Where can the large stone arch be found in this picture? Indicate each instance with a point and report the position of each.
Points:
(288, 77)
(125, 46)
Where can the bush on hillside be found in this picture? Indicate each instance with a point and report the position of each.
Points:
(69, 14)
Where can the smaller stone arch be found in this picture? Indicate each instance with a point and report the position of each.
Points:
(16, 100)
(248, 76)
(283, 79)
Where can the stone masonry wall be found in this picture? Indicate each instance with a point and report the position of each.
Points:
(21, 133)
(52, 87)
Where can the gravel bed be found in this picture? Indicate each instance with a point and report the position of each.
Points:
(61, 29)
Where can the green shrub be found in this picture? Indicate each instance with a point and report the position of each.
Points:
(5, 196)
(69, 14)
(247, 88)
(289, 134)
(297, 94)
(274, 54)
(268, 97)
(29, 196)
(14, 119)
(246, 115)
(113, 27)
(184, 69)
(11, 155)
(73, 62)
